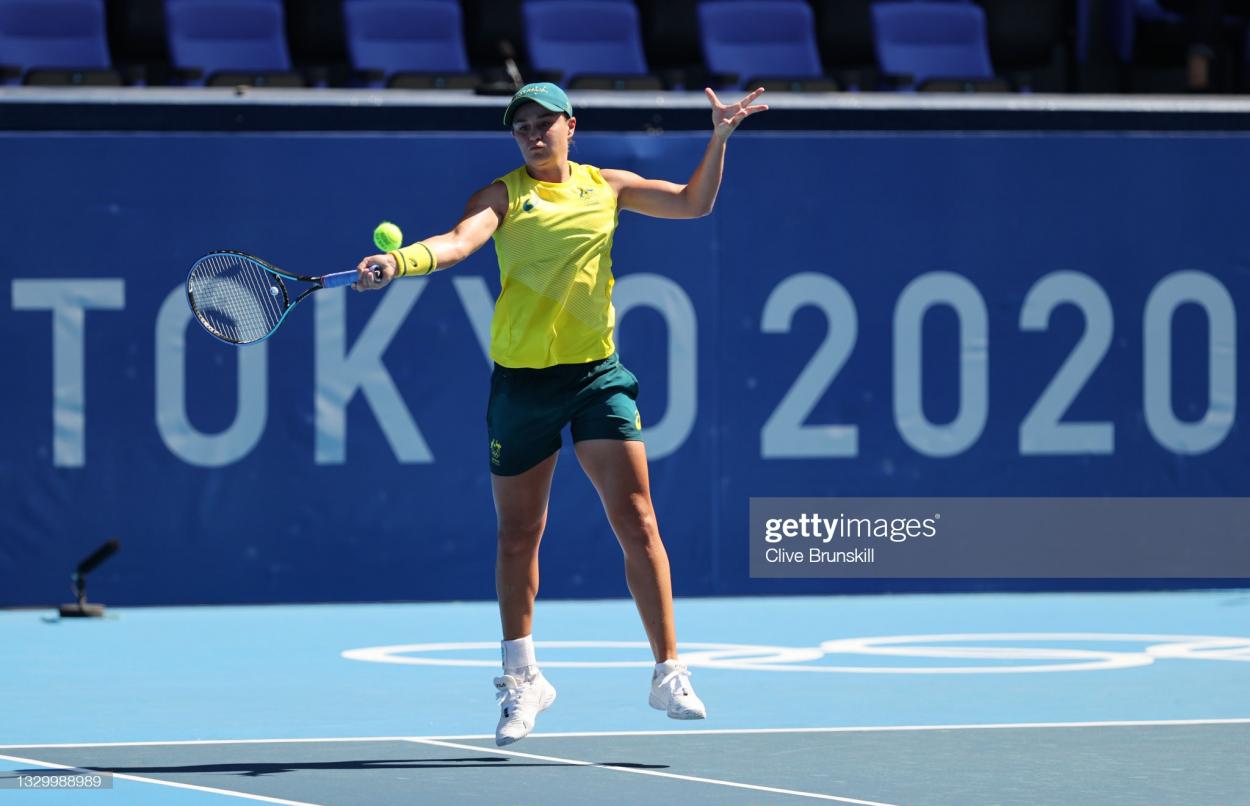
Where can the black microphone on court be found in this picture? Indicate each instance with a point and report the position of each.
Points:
(78, 580)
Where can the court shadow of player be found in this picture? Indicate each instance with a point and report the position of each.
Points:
(258, 769)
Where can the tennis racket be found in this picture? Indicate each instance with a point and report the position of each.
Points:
(241, 299)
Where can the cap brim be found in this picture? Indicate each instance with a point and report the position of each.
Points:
(519, 102)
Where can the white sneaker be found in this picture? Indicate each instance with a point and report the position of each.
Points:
(521, 700)
(671, 691)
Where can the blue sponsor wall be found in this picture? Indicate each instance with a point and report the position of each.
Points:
(873, 314)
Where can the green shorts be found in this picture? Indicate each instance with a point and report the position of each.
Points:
(529, 407)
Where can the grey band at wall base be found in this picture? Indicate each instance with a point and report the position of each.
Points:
(1009, 538)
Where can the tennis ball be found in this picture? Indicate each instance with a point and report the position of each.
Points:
(387, 237)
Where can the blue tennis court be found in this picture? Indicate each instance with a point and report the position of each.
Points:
(910, 699)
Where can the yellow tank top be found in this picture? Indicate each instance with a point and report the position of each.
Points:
(555, 267)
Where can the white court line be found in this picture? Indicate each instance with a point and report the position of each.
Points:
(175, 784)
(654, 773)
(1144, 723)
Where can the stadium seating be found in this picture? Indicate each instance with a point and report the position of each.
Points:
(55, 42)
(587, 43)
(230, 42)
(762, 42)
(938, 46)
(408, 43)
(1043, 44)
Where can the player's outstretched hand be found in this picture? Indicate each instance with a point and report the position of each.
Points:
(726, 117)
(368, 280)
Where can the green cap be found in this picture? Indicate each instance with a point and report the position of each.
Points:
(544, 94)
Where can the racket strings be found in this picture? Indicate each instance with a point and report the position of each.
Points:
(236, 298)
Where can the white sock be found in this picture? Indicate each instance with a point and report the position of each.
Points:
(664, 667)
(518, 657)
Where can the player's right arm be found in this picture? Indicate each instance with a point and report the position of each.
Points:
(482, 215)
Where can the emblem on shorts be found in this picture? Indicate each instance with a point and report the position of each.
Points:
(638, 420)
(495, 449)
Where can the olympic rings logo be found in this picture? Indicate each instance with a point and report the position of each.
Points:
(960, 653)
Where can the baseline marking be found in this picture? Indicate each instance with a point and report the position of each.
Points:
(653, 773)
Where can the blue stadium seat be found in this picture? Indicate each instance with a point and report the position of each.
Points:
(54, 41)
(390, 38)
(759, 39)
(585, 40)
(931, 43)
(230, 42)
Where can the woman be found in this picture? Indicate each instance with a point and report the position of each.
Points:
(555, 364)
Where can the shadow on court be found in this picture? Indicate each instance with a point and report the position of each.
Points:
(256, 770)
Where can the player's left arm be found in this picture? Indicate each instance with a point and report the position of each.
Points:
(661, 199)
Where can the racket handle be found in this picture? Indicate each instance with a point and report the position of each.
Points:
(341, 278)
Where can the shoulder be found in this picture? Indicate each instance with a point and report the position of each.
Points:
(494, 196)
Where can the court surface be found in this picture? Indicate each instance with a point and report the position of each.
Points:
(1125, 698)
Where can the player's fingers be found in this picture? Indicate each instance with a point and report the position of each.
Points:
(364, 277)
(711, 96)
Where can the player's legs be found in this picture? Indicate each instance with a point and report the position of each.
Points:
(618, 469)
(523, 424)
(521, 506)
(521, 510)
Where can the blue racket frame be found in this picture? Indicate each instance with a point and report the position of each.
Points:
(205, 280)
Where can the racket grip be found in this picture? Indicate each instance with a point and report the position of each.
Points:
(341, 278)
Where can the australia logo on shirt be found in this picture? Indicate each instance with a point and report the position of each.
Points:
(584, 193)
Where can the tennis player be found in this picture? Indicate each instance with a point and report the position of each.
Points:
(553, 222)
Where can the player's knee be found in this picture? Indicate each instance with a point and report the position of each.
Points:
(635, 524)
(520, 536)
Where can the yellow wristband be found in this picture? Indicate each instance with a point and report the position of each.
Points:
(416, 259)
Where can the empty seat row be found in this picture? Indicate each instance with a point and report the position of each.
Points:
(588, 43)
